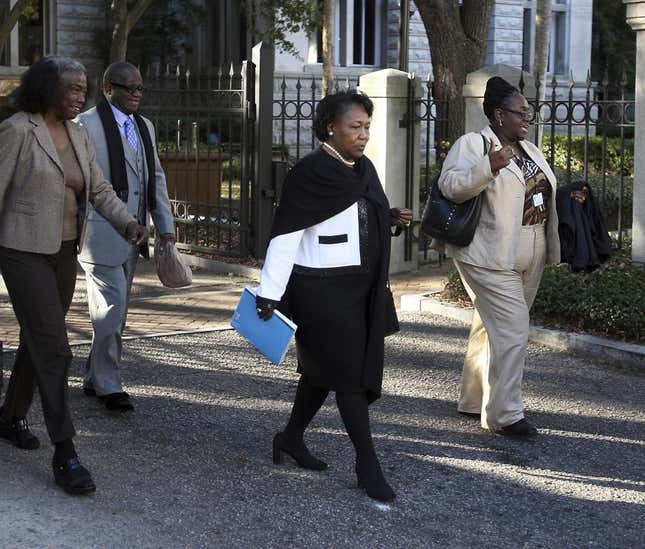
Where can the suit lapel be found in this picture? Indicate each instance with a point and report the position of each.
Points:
(44, 139)
(489, 134)
(516, 170)
(77, 141)
(541, 162)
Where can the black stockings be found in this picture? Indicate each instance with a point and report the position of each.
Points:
(353, 409)
(308, 401)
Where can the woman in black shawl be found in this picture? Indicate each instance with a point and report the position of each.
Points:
(327, 267)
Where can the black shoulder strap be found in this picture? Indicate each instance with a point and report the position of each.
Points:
(485, 144)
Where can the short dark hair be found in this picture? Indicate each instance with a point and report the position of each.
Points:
(498, 92)
(117, 70)
(40, 87)
(336, 104)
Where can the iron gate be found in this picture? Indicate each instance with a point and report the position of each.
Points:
(205, 140)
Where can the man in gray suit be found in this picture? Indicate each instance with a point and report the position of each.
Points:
(125, 150)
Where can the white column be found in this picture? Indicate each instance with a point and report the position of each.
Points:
(387, 148)
(636, 20)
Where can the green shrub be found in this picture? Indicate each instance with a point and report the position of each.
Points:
(608, 302)
(612, 154)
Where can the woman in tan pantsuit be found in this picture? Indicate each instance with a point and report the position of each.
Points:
(501, 268)
(48, 174)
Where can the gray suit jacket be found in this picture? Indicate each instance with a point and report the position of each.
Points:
(32, 186)
(103, 246)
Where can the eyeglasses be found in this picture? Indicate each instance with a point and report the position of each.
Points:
(131, 89)
(524, 115)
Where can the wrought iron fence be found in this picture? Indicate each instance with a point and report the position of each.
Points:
(585, 133)
(589, 137)
(204, 126)
(293, 114)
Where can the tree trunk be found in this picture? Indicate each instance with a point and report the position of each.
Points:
(458, 41)
(542, 34)
(10, 22)
(123, 22)
(137, 12)
(119, 46)
(541, 57)
(328, 47)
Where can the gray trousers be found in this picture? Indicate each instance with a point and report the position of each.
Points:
(108, 293)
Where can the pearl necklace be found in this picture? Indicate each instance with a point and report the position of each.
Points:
(349, 163)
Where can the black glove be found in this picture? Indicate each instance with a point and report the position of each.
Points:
(265, 307)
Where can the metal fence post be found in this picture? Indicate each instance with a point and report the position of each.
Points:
(263, 192)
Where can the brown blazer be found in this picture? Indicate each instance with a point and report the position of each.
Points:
(466, 173)
(32, 185)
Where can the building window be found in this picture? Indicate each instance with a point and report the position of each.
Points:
(357, 32)
(558, 46)
(558, 43)
(527, 40)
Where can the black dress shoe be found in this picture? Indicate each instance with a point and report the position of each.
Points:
(519, 429)
(17, 432)
(475, 415)
(370, 477)
(118, 402)
(72, 477)
(298, 452)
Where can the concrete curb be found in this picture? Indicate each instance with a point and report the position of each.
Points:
(627, 355)
(222, 267)
(80, 342)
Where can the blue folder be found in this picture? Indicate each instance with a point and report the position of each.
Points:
(270, 337)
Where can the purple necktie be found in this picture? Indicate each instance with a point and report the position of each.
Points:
(131, 134)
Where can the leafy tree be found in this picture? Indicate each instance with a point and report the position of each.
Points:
(458, 36)
(162, 36)
(613, 44)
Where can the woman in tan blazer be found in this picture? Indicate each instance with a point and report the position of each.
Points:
(501, 268)
(48, 173)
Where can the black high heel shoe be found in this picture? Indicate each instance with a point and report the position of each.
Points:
(299, 453)
(372, 480)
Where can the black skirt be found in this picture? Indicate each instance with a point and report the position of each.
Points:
(332, 314)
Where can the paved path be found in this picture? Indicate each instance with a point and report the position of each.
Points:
(192, 466)
(207, 304)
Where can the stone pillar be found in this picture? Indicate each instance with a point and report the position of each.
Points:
(388, 149)
(473, 92)
(636, 20)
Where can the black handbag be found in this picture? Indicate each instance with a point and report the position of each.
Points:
(448, 221)
(391, 320)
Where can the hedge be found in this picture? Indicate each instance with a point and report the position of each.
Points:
(609, 301)
(612, 154)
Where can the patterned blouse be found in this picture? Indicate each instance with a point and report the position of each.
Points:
(535, 206)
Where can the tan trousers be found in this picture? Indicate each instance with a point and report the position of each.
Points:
(492, 375)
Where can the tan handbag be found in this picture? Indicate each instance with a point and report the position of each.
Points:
(171, 269)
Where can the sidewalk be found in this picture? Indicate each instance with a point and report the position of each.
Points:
(207, 304)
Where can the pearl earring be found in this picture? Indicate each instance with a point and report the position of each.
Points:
(331, 133)
(500, 122)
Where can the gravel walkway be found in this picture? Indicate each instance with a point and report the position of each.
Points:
(192, 466)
